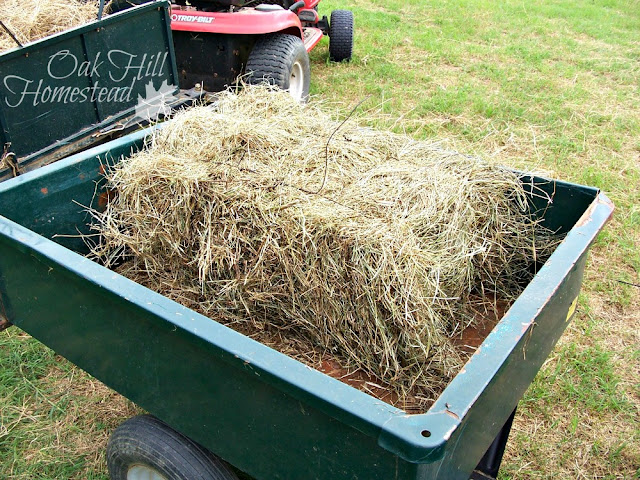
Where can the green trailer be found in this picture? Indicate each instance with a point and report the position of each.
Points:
(263, 412)
(211, 392)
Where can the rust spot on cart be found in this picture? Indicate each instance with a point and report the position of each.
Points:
(106, 197)
(587, 216)
(451, 414)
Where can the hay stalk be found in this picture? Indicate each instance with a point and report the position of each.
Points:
(379, 269)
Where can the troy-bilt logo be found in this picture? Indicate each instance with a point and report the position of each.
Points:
(191, 18)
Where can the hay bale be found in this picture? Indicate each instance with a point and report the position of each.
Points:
(370, 246)
(31, 20)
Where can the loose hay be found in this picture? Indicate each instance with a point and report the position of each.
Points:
(373, 248)
(31, 20)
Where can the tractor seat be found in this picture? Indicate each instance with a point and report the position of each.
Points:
(269, 7)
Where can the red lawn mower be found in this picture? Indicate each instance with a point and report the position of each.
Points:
(219, 41)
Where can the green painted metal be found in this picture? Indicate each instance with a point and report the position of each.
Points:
(265, 413)
(57, 94)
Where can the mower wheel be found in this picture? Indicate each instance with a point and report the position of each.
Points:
(281, 60)
(341, 35)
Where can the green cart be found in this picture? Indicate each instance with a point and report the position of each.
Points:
(215, 394)
(261, 411)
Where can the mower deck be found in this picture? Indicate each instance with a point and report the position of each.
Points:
(311, 37)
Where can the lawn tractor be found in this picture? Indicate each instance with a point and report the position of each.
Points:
(218, 42)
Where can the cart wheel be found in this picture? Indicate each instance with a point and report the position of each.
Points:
(144, 448)
(283, 61)
(341, 35)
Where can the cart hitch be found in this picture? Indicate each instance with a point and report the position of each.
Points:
(9, 159)
(4, 324)
(4, 321)
(489, 466)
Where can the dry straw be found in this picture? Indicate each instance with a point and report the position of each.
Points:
(31, 20)
(369, 248)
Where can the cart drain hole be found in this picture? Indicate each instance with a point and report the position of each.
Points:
(425, 433)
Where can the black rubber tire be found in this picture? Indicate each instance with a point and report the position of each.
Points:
(145, 440)
(273, 58)
(341, 35)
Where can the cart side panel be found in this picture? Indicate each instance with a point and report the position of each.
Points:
(514, 352)
(57, 93)
(492, 409)
(55, 205)
(176, 375)
(558, 204)
(22, 90)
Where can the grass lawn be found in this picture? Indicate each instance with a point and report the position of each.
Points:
(549, 86)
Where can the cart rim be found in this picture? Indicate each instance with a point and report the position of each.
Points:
(144, 472)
